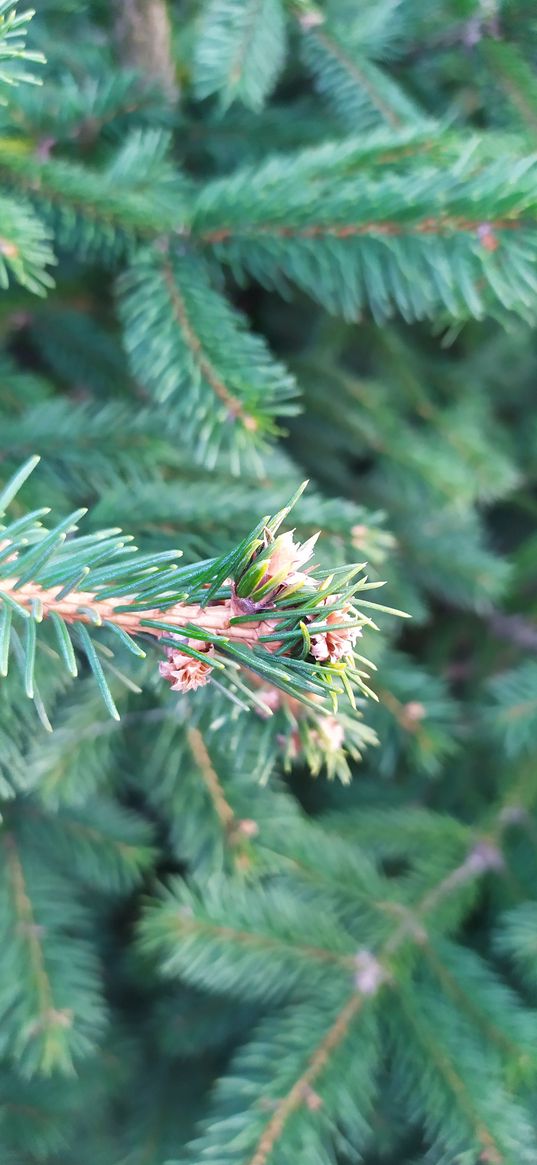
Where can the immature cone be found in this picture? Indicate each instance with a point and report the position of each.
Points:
(333, 645)
(288, 555)
(275, 570)
(271, 575)
(184, 672)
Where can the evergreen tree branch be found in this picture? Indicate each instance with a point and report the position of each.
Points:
(516, 937)
(240, 51)
(365, 82)
(484, 998)
(313, 946)
(301, 1089)
(25, 248)
(280, 1111)
(515, 76)
(442, 225)
(85, 208)
(196, 929)
(87, 608)
(193, 349)
(206, 368)
(511, 708)
(110, 846)
(457, 1088)
(49, 1018)
(352, 81)
(251, 608)
(53, 1013)
(372, 974)
(88, 107)
(13, 33)
(216, 818)
(350, 247)
(36, 1112)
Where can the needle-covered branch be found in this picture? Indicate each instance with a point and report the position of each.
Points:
(299, 1058)
(466, 233)
(13, 50)
(191, 349)
(252, 609)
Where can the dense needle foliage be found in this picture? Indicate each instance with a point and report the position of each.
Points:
(289, 918)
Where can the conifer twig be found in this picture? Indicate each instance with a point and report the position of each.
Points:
(49, 1019)
(299, 1092)
(87, 608)
(442, 225)
(373, 973)
(251, 608)
(352, 67)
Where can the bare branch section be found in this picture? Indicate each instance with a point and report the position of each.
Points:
(442, 225)
(143, 35)
(85, 607)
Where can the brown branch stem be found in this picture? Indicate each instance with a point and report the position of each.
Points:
(200, 752)
(335, 1034)
(86, 607)
(444, 225)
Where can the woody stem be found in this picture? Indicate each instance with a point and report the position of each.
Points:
(85, 607)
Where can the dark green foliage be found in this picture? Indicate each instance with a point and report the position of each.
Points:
(224, 382)
(229, 937)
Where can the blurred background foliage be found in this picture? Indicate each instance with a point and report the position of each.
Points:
(243, 242)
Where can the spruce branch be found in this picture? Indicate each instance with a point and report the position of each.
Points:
(515, 76)
(199, 750)
(469, 231)
(55, 1013)
(511, 708)
(25, 248)
(87, 108)
(49, 1018)
(516, 938)
(285, 1077)
(112, 845)
(480, 994)
(302, 1092)
(13, 33)
(190, 347)
(350, 246)
(216, 817)
(422, 1028)
(360, 90)
(87, 210)
(251, 608)
(334, 921)
(339, 1014)
(240, 51)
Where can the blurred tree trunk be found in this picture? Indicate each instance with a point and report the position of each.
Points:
(143, 35)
